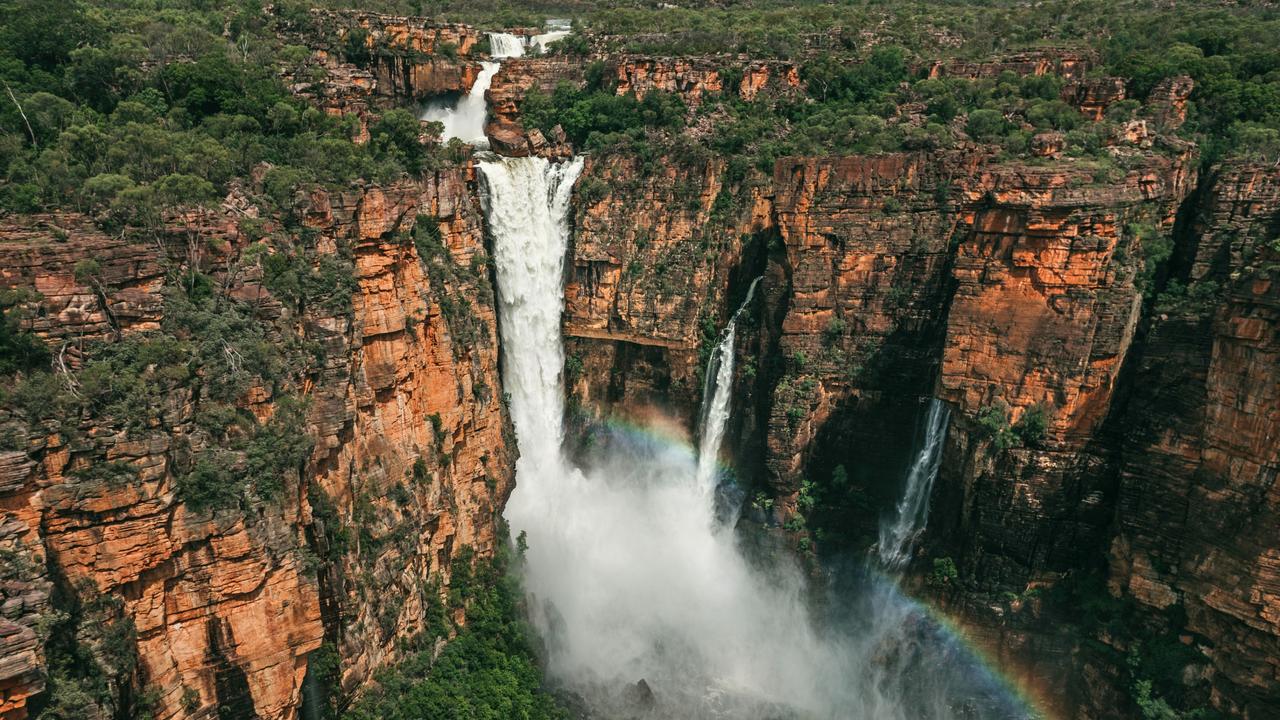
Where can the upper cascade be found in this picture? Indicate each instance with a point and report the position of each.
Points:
(465, 117)
(505, 45)
(509, 45)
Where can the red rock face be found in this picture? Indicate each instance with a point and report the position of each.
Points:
(41, 255)
(227, 607)
(1068, 63)
(649, 263)
(689, 79)
(866, 251)
(1008, 283)
(1092, 96)
(1168, 101)
(1198, 501)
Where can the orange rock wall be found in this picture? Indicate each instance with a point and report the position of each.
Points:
(652, 252)
(227, 606)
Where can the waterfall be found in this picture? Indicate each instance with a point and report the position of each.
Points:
(465, 118)
(526, 201)
(897, 535)
(715, 399)
(538, 43)
(505, 45)
(627, 576)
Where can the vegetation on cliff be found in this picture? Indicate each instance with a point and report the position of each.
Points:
(488, 671)
(129, 116)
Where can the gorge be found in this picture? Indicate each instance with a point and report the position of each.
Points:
(776, 361)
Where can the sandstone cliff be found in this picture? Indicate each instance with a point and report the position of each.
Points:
(224, 608)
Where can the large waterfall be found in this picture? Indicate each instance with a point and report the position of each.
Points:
(912, 510)
(646, 604)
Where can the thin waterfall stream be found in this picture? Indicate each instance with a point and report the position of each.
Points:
(715, 399)
(912, 510)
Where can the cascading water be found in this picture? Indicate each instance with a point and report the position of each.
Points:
(465, 118)
(911, 512)
(505, 45)
(538, 43)
(715, 399)
(628, 575)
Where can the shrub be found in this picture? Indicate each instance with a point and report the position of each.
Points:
(487, 671)
(1032, 427)
(994, 419)
(986, 125)
(945, 573)
(834, 332)
(19, 350)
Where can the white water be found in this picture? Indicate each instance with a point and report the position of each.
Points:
(465, 118)
(505, 45)
(912, 511)
(628, 575)
(715, 399)
(538, 43)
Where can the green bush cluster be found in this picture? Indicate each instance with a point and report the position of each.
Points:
(597, 117)
(448, 280)
(1157, 656)
(488, 670)
(256, 465)
(1029, 431)
(20, 350)
(125, 115)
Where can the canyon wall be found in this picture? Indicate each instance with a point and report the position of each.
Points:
(198, 609)
(1013, 291)
(1198, 501)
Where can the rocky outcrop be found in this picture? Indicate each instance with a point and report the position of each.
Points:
(515, 79)
(88, 285)
(1067, 62)
(223, 608)
(1094, 95)
(363, 63)
(1167, 103)
(398, 33)
(691, 79)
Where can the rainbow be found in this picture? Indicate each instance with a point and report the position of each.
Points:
(1019, 689)
(1021, 694)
